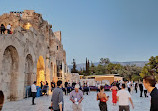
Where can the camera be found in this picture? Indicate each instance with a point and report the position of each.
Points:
(50, 107)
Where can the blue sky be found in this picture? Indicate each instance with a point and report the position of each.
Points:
(122, 30)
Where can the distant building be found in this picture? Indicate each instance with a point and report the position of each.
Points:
(106, 78)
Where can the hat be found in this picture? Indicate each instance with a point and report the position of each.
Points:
(77, 86)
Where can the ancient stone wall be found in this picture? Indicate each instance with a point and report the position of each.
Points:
(29, 54)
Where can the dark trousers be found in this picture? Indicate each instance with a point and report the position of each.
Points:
(33, 97)
(103, 106)
(141, 92)
(8, 31)
(124, 108)
(65, 90)
(129, 89)
(136, 90)
(2, 31)
(58, 110)
(145, 93)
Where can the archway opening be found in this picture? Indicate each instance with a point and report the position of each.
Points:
(28, 74)
(40, 70)
(28, 70)
(10, 75)
(59, 69)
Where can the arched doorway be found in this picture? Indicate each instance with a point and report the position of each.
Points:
(28, 74)
(40, 70)
(10, 65)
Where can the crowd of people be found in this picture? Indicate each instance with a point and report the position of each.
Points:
(123, 96)
(3, 29)
(68, 87)
(120, 93)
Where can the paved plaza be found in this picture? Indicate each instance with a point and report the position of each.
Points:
(89, 103)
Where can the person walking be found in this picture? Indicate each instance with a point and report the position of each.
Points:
(136, 86)
(66, 85)
(41, 85)
(34, 91)
(141, 88)
(46, 83)
(129, 86)
(117, 84)
(52, 85)
(132, 87)
(145, 91)
(149, 83)
(76, 96)
(8, 28)
(114, 90)
(2, 28)
(124, 97)
(57, 101)
(101, 96)
(1, 99)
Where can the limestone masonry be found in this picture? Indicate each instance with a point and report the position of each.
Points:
(32, 53)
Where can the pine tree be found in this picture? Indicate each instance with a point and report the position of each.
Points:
(88, 67)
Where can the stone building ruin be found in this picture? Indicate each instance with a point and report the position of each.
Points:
(32, 53)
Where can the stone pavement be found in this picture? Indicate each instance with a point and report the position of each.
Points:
(89, 103)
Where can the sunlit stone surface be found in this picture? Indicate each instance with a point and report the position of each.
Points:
(89, 104)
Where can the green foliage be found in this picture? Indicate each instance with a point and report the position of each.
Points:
(106, 67)
(136, 78)
(130, 71)
(151, 68)
(104, 61)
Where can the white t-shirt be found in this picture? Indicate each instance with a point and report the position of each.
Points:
(9, 27)
(123, 97)
(33, 88)
(156, 85)
(129, 85)
(144, 87)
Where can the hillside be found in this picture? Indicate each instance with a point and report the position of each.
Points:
(137, 63)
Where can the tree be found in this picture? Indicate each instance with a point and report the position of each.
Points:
(87, 67)
(104, 61)
(130, 71)
(92, 69)
(151, 68)
(74, 70)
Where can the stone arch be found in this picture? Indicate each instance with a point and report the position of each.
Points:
(28, 79)
(28, 70)
(10, 67)
(40, 70)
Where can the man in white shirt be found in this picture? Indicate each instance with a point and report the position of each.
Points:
(124, 97)
(33, 90)
(8, 28)
(156, 85)
(129, 86)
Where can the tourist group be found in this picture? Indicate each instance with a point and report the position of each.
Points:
(121, 93)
